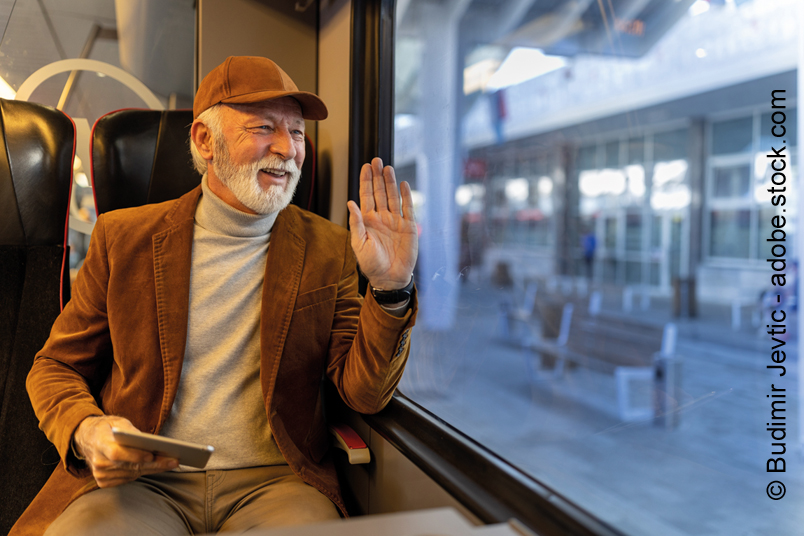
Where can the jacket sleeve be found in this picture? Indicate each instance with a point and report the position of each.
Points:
(68, 373)
(368, 347)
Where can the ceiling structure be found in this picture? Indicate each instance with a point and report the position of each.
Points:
(151, 39)
(489, 29)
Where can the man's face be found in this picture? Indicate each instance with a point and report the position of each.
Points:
(260, 156)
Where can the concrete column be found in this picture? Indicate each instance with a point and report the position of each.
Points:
(696, 158)
(436, 171)
(566, 195)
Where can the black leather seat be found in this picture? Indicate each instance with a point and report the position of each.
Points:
(35, 176)
(143, 156)
(140, 157)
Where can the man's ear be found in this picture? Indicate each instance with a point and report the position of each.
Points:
(202, 137)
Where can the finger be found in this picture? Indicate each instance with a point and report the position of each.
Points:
(356, 225)
(108, 474)
(110, 479)
(391, 189)
(159, 465)
(366, 189)
(380, 196)
(407, 201)
(119, 454)
(116, 476)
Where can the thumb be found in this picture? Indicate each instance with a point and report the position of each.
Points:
(358, 229)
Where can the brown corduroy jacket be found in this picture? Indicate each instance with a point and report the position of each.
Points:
(117, 347)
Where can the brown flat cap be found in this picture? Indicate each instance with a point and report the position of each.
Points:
(249, 79)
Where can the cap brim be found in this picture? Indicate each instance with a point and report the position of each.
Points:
(312, 106)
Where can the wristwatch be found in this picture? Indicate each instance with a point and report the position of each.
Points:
(386, 297)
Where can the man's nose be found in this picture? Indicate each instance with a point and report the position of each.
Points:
(282, 145)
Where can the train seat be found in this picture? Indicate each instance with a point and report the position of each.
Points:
(36, 168)
(140, 157)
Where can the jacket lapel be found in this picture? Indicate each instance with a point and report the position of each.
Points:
(283, 270)
(172, 250)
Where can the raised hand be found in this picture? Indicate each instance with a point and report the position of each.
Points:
(113, 464)
(384, 236)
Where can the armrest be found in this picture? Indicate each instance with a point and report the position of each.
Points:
(348, 441)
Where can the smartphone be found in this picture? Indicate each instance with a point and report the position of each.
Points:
(191, 454)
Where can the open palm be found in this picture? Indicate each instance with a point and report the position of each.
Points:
(384, 236)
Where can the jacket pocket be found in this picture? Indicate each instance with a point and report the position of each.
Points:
(316, 296)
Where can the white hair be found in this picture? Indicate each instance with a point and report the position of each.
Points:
(212, 117)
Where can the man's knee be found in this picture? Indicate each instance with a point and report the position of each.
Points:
(131, 509)
(285, 503)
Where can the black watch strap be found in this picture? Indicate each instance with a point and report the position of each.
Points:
(386, 297)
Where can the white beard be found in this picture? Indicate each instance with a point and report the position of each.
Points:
(242, 181)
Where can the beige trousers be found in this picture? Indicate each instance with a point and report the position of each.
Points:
(172, 503)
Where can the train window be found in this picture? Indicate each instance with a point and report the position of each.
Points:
(92, 57)
(612, 156)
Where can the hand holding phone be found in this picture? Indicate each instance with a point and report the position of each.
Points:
(112, 463)
(192, 454)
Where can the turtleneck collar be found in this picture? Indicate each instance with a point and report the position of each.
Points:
(215, 215)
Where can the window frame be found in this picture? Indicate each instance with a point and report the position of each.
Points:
(482, 481)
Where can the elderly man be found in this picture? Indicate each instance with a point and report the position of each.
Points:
(212, 319)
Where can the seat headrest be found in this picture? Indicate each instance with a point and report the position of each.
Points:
(36, 172)
(140, 157)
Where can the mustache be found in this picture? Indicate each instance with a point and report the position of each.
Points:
(272, 162)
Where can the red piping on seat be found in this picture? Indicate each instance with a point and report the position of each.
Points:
(67, 219)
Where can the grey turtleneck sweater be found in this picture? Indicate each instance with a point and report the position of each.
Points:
(219, 400)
